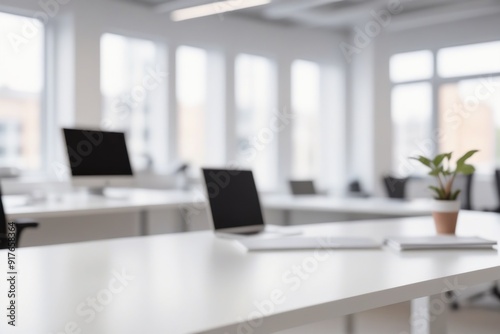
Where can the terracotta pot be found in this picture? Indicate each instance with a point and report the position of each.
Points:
(445, 214)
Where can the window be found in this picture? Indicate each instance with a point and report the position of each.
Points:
(21, 92)
(306, 144)
(466, 60)
(411, 112)
(468, 104)
(132, 87)
(191, 84)
(469, 118)
(256, 104)
(411, 66)
(411, 109)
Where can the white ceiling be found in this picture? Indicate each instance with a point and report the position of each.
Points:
(341, 14)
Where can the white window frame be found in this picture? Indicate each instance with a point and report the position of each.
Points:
(436, 83)
(46, 119)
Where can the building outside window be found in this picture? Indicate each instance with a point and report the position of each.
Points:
(21, 94)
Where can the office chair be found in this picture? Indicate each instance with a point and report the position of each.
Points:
(395, 187)
(464, 182)
(356, 190)
(497, 187)
(20, 225)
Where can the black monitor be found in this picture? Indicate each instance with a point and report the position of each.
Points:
(98, 158)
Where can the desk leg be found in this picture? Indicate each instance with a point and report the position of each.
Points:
(143, 222)
(429, 315)
(287, 217)
(349, 324)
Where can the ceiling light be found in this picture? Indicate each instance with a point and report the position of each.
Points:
(213, 8)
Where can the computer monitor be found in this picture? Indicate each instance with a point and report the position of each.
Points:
(305, 187)
(98, 159)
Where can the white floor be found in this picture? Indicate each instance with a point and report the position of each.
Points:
(394, 319)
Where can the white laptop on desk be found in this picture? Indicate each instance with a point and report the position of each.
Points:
(234, 205)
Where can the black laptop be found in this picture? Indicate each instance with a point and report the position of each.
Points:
(234, 203)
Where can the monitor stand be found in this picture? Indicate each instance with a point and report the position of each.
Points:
(101, 192)
(97, 191)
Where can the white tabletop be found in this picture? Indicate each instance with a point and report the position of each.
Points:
(73, 204)
(196, 283)
(66, 205)
(371, 205)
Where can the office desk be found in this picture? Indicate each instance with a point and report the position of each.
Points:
(363, 207)
(188, 208)
(143, 199)
(196, 283)
(130, 200)
(80, 204)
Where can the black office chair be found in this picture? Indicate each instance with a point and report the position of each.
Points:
(497, 188)
(20, 225)
(464, 182)
(497, 185)
(354, 189)
(395, 187)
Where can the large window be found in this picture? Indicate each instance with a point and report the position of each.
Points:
(256, 104)
(411, 66)
(483, 58)
(133, 82)
(466, 113)
(306, 143)
(411, 108)
(21, 87)
(192, 81)
(469, 102)
(469, 121)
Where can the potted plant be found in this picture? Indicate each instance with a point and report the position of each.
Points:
(446, 204)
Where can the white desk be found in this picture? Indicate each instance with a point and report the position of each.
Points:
(141, 199)
(83, 204)
(78, 204)
(195, 283)
(363, 207)
(371, 205)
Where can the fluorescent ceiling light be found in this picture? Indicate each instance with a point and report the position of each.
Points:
(213, 8)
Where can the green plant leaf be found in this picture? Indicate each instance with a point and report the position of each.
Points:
(455, 194)
(466, 156)
(438, 159)
(465, 169)
(462, 167)
(436, 171)
(423, 160)
(439, 192)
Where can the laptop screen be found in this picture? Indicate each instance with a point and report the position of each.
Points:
(233, 198)
(302, 187)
